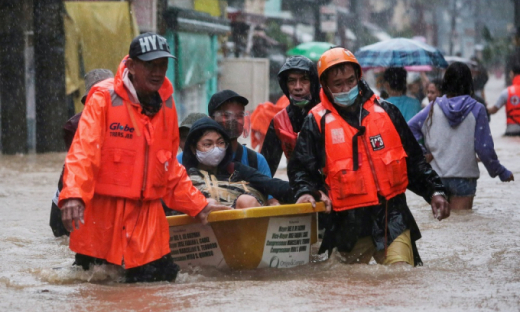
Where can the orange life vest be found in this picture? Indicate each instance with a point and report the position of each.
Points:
(381, 160)
(513, 101)
(285, 132)
(136, 151)
(260, 120)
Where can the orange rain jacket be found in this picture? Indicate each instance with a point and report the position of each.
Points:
(513, 99)
(121, 163)
(285, 132)
(261, 118)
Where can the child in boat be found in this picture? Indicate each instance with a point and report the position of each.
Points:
(208, 161)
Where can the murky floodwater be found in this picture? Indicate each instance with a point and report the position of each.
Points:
(471, 260)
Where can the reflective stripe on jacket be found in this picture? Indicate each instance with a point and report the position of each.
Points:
(285, 132)
(379, 166)
(513, 101)
(106, 169)
(137, 151)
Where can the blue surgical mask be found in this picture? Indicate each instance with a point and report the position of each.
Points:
(346, 98)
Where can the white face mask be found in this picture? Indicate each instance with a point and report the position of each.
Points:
(211, 158)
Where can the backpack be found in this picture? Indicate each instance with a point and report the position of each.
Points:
(252, 157)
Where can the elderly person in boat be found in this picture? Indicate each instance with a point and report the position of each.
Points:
(208, 158)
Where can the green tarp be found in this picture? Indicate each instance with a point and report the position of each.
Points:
(194, 64)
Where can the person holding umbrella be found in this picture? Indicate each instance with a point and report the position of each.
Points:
(360, 150)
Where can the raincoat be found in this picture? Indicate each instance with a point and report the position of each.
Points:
(273, 147)
(261, 118)
(129, 227)
(513, 101)
(346, 227)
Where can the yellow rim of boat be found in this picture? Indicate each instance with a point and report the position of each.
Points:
(257, 212)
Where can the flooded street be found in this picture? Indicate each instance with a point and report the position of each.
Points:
(471, 260)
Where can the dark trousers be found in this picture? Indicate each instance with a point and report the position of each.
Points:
(162, 269)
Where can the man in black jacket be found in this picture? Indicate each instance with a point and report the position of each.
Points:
(368, 156)
(299, 82)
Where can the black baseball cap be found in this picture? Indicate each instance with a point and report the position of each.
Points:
(222, 97)
(149, 46)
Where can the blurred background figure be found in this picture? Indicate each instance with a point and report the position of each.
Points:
(433, 91)
(480, 78)
(510, 98)
(380, 84)
(185, 126)
(395, 85)
(414, 86)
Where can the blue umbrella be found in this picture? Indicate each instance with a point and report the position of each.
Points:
(399, 52)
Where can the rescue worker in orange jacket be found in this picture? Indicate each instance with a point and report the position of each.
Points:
(299, 82)
(122, 163)
(69, 130)
(510, 97)
(360, 149)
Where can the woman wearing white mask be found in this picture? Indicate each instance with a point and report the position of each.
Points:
(208, 158)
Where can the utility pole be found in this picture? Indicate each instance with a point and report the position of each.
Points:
(49, 59)
(12, 77)
(318, 34)
(478, 22)
(355, 23)
(517, 16)
(453, 24)
(514, 57)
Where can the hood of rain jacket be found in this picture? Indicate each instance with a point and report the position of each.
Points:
(456, 108)
(300, 63)
(189, 159)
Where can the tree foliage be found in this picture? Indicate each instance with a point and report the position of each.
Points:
(496, 49)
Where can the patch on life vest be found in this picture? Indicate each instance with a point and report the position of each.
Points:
(338, 136)
(515, 100)
(378, 109)
(377, 142)
(329, 118)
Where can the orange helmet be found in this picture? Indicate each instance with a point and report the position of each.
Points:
(336, 56)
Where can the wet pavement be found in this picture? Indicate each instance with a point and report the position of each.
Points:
(471, 260)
